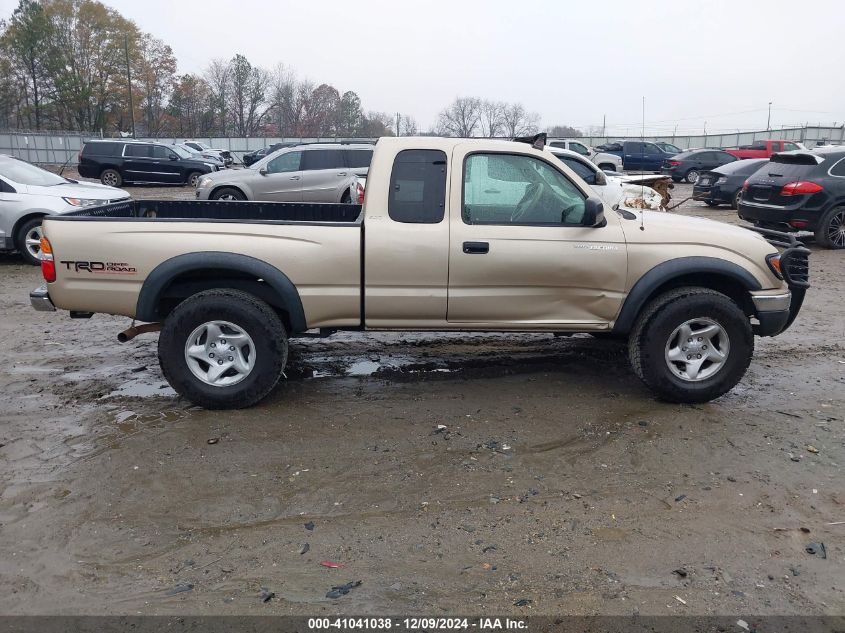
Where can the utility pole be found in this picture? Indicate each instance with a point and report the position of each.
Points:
(769, 119)
(603, 124)
(129, 83)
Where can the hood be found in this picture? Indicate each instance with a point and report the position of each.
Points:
(232, 175)
(662, 227)
(90, 190)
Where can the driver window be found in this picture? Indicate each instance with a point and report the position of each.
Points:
(285, 162)
(515, 189)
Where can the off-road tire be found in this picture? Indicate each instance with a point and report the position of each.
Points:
(823, 236)
(246, 311)
(111, 178)
(20, 240)
(228, 191)
(193, 179)
(650, 336)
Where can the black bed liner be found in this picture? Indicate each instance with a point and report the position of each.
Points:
(219, 210)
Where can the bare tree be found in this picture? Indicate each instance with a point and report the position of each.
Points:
(461, 118)
(218, 78)
(517, 122)
(407, 125)
(283, 99)
(492, 118)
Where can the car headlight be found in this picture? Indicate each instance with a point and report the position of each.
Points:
(722, 180)
(209, 165)
(205, 182)
(82, 202)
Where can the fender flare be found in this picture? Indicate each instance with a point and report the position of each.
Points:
(159, 278)
(674, 268)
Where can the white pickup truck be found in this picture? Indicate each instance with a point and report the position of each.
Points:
(454, 234)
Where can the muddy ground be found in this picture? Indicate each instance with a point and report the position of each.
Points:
(557, 478)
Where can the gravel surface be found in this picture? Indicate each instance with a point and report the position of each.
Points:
(448, 473)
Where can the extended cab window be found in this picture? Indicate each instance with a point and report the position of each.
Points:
(285, 162)
(322, 159)
(418, 187)
(515, 189)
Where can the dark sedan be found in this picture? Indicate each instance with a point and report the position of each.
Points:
(799, 191)
(257, 155)
(689, 165)
(724, 184)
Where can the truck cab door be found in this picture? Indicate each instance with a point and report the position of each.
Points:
(522, 258)
(632, 155)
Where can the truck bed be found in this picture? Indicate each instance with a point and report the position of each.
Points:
(104, 254)
(231, 211)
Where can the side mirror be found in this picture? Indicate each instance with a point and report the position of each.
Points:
(601, 179)
(263, 171)
(593, 212)
(173, 157)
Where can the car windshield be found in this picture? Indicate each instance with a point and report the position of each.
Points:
(26, 174)
(200, 145)
(182, 152)
(668, 147)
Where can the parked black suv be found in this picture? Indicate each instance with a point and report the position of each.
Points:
(689, 165)
(800, 191)
(116, 162)
(724, 184)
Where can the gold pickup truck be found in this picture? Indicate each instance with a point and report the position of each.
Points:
(454, 234)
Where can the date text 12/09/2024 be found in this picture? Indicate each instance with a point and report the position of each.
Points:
(417, 624)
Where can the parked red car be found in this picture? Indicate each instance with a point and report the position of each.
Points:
(763, 149)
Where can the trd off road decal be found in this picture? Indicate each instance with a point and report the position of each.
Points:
(109, 268)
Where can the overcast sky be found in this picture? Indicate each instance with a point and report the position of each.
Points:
(716, 61)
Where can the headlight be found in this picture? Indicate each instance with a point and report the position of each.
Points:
(82, 202)
(205, 182)
(722, 180)
(209, 165)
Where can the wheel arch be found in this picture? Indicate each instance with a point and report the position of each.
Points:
(235, 187)
(29, 215)
(704, 272)
(184, 275)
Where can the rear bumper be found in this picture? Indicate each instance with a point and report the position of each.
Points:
(40, 300)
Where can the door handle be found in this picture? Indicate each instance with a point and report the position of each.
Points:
(341, 173)
(479, 248)
(294, 177)
(492, 191)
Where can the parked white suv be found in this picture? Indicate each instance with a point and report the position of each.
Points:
(28, 193)
(605, 161)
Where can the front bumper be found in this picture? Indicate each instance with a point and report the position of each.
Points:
(40, 300)
(776, 313)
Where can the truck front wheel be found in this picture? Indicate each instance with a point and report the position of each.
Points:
(691, 345)
(223, 349)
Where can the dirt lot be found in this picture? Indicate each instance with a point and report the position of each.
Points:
(557, 479)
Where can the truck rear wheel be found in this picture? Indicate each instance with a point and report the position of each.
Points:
(691, 345)
(223, 349)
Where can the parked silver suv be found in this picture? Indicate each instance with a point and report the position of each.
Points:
(28, 193)
(325, 172)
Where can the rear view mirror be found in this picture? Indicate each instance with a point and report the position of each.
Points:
(593, 212)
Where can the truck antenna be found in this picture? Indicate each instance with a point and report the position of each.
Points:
(642, 186)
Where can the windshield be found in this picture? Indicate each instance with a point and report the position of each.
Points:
(26, 174)
(200, 145)
(181, 152)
